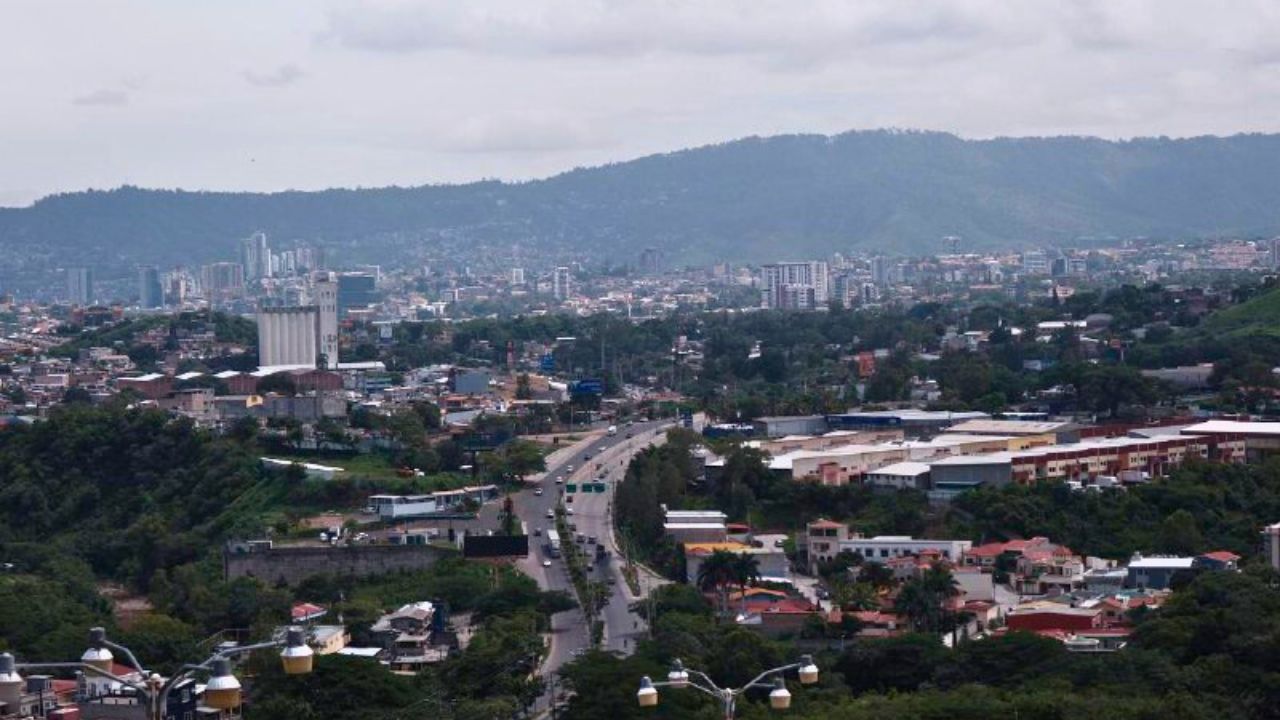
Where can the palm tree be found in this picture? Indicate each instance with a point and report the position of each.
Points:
(746, 571)
(716, 573)
(877, 574)
(915, 603)
(921, 600)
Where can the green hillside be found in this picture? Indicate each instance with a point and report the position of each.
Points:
(751, 199)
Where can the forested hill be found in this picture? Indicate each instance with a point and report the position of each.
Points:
(755, 199)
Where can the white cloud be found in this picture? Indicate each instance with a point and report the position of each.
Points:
(407, 91)
(102, 98)
(283, 76)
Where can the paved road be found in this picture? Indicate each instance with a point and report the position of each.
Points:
(593, 515)
(570, 633)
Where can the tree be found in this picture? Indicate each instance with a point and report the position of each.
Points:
(279, 383)
(75, 395)
(746, 571)
(523, 458)
(161, 640)
(523, 391)
(1180, 535)
(716, 573)
(922, 600)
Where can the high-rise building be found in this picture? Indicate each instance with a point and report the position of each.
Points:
(255, 256)
(560, 283)
(517, 276)
(1275, 253)
(176, 285)
(879, 270)
(845, 289)
(356, 291)
(649, 260)
(80, 286)
(150, 291)
(221, 279)
(1036, 262)
(324, 295)
(789, 282)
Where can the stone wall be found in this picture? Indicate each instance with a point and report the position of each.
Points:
(293, 564)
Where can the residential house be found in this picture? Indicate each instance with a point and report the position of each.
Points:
(406, 635)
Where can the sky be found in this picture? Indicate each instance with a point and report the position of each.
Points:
(270, 95)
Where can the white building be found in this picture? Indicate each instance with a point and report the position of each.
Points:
(884, 547)
(901, 476)
(324, 295)
(796, 285)
(517, 276)
(255, 256)
(80, 286)
(1271, 544)
(393, 507)
(560, 283)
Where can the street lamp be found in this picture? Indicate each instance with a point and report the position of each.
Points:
(678, 677)
(298, 657)
(223, 691)
(779, 697)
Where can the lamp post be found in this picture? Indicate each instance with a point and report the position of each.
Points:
(680, 677)
(223, 691)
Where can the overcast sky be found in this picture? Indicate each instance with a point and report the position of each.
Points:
(269, 95)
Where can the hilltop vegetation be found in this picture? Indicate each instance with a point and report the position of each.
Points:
(897, 192)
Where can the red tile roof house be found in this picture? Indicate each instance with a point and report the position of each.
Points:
(983, 612)
(773, 612)
(1219, 560)
(875, 623)
(1115, 609)
(1050, 616)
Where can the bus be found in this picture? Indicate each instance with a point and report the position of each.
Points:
(553, 543)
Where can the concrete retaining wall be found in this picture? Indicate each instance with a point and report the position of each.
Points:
(291, 565)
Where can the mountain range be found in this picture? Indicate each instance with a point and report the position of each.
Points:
(790, 196)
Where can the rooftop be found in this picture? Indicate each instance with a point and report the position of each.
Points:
(1234, 426)
(1011, 427)
(902, 469)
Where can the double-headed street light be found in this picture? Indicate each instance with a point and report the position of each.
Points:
(680, 677)
(223, 691)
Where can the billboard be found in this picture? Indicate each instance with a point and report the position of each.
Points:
(492, 546)
(587, 387)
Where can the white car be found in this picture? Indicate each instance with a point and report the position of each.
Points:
(546, 563)
(568, 511)
(537, 491)
(551, 514)
(559, 479)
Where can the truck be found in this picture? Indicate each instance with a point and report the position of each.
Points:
(553, 543)
(613, 430)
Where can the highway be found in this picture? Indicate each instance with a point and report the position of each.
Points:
(608, 455)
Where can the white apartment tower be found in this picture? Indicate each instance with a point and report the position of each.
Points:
(80, 286)
(796, 285)
(255, 255)
(560, 283)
